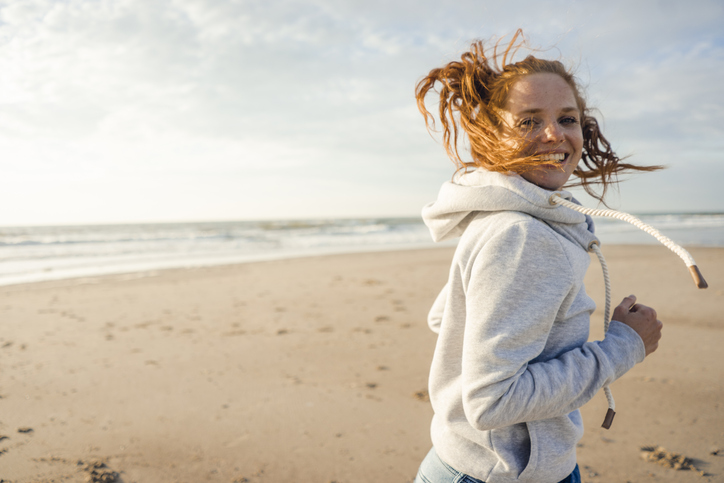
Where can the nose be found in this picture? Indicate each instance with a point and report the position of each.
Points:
(552, 133)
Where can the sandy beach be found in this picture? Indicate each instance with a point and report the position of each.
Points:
(314, 370)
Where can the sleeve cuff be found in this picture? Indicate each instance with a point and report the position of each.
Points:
(624, 347)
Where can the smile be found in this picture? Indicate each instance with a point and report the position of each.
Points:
(553, 157)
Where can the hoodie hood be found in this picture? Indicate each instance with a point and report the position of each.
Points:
(460, 200)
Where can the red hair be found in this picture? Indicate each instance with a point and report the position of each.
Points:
(473, 94)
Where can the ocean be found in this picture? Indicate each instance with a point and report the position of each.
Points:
(42, 253)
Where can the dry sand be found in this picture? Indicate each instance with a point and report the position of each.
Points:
(313, 370)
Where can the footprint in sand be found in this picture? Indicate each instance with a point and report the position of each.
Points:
(668, 459)
(99, 472)
(372, 281)
(422, 395)
(657, 454)
(234, 333)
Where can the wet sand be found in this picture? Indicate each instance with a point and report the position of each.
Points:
(313, 370)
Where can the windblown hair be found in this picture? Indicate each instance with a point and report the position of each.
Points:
(473, 95)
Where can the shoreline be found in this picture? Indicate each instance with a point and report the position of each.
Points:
(201, 263)
(314, 369)
(252, 259)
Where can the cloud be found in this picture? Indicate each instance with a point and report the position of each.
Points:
(288, 94)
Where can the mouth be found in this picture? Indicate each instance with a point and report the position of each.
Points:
(557, 158)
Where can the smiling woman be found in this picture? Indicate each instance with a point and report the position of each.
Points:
(500, 143)
(542, 109)
(512, 364)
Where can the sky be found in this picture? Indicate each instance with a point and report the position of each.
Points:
(116, 111)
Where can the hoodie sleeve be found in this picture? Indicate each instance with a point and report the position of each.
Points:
(515, 284)
(434, 318)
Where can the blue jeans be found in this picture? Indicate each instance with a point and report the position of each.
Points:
(435, 470)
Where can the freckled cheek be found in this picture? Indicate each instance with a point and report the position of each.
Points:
(576, 140)
(530, 141)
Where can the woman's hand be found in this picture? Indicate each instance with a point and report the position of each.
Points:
(642, 319)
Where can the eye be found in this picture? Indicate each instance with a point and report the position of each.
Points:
(569, 120)
(527, 124)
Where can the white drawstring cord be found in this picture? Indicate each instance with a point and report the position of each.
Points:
(606, 323)
(557, 199)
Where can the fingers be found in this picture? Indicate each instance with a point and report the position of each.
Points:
(628, 303)
(645, 311)
(642, 319)
(624, 307)
(654, 344)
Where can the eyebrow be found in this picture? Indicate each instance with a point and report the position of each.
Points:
(536, 111)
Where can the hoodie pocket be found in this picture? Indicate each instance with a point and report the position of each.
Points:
(552, 446)
(532, 463)
(515, 449)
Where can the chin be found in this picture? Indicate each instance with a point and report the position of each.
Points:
(546, 182)
(551, 178)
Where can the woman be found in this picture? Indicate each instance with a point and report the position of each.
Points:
(512, 364)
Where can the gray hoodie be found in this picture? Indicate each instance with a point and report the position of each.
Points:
(512, 363)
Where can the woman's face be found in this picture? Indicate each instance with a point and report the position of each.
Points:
(542, 109)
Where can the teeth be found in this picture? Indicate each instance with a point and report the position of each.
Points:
(552, 157)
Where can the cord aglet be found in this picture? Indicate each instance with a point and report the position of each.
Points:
(608, 419)
(698, 277)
